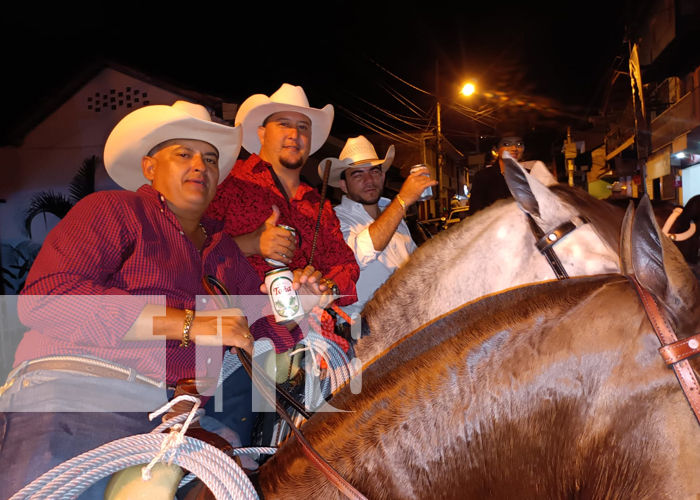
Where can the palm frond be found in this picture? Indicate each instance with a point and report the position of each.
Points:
(28, 249)
(6, 283)
(25, 250)
(19, 258)
(43, 203)
(9, 273)
(83, 183)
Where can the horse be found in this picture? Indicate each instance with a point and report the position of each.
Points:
(489, 252)
(552, 390)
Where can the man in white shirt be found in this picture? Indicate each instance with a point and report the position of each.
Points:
(373, 226)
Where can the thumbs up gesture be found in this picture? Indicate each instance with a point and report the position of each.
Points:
(275, 242)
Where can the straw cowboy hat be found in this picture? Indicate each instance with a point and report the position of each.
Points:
(258, 107)
(139, 131)
(358, 152)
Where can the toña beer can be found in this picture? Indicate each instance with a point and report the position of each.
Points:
(285, 301)
(276, 263)
(427, 192)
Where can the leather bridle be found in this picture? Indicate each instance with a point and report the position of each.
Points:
(675, 352)
(545, 241)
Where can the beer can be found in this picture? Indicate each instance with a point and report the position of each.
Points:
(427, 192)
(276, 263)
(285, 301)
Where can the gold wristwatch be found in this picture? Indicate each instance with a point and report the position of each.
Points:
(332, 287)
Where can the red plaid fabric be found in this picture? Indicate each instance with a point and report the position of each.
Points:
(113, 249)
(244, 200)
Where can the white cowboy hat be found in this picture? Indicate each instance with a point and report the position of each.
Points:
(258, 107)
(139, 131)
(358, 152)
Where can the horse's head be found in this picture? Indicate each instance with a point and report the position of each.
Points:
(593, 247)
(660, 266)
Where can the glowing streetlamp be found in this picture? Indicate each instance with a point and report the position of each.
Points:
(468, 89)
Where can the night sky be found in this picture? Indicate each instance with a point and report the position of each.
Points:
(553, 55)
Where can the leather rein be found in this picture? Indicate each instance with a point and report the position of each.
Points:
(265, 385)
(675, 352)
(545, 241)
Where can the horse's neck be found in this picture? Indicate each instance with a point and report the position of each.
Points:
(514, 375)
(485, 254)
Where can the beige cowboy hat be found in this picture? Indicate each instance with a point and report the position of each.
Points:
(258, 107)
(139, 131)
(358, 152)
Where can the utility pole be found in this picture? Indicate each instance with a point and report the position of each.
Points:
(438, 144)
(569, 155)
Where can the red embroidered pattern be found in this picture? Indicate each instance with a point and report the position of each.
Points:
(244, 200)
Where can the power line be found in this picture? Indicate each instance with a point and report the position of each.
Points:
(408, 139)
(403, 100)
(398, 78)
(399, 118)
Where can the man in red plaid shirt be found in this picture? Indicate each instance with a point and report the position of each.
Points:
(115, 299)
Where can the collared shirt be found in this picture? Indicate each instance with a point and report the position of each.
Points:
(118, 251)
(244, 201)
(375, 267)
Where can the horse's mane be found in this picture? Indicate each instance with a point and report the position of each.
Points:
(605, 217)
(475, 320)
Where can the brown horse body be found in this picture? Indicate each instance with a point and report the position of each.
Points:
(550, 391)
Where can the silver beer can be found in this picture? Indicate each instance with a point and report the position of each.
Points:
(276, 263)
(285, 301)
(427, 192)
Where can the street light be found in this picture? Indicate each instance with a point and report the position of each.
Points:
(468, 89)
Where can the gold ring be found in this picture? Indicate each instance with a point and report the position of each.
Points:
(247, 336)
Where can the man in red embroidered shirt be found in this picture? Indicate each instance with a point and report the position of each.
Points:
(265, 190)
(115, 297)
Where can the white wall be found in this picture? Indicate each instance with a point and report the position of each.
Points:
(691, 182)
(53, 152)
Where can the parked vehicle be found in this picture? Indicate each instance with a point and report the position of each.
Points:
(456, 215)
(441, 223)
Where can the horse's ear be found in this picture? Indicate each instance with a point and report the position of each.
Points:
(531, 194)
(519, 185)
(647, 249)
(626, 241)
(661, 268)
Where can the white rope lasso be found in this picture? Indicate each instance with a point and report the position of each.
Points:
(315, 349)
(224, 478)
(177, 433)
(340, 368)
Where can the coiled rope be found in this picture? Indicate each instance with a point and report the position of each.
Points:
(215, 469)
